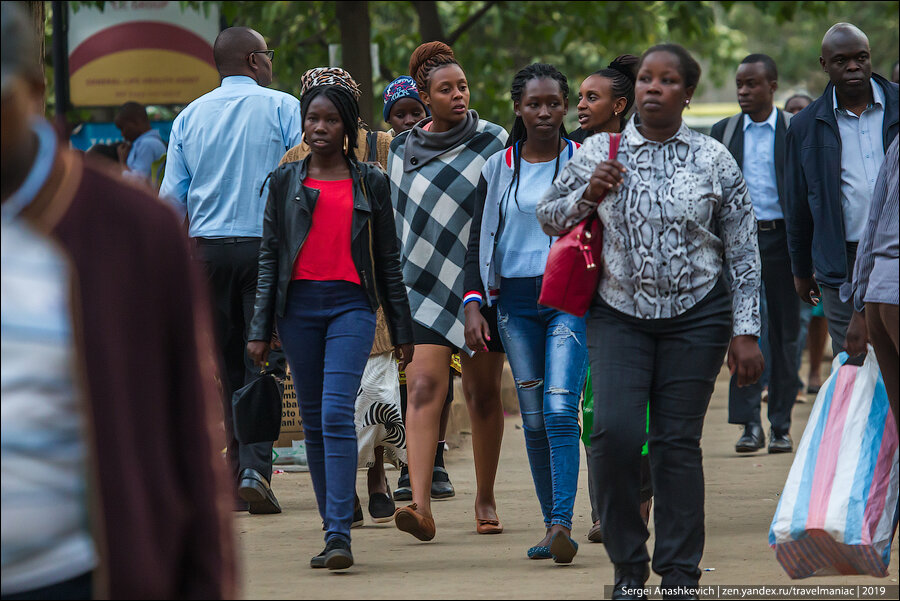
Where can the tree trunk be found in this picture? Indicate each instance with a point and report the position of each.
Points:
(38, 13)
(356, 36)
(430, 28)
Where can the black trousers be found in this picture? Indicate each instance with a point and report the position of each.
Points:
(673, 363)
(231, 268)
(784, 329)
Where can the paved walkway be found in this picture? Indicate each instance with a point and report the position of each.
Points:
(741, 494)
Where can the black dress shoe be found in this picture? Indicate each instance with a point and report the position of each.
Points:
(752, 440)
(441, 487)
(255, 489)
(780, 443)
(630, 580)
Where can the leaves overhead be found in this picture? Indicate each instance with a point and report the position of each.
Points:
(492, 40)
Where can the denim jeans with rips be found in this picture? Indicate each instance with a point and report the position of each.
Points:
(547, 351)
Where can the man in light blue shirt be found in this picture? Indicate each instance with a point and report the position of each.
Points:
(221, 150)
(756, 138)
(142, 146)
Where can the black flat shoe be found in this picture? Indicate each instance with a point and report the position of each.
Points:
(441, 487)
(381, 507)
(752, 440)
(319, 560)
(337, 554)
(255, 490)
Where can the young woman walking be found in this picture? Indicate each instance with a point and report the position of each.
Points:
(677, 216)
(604, 101)
(328, 259)
(403, 108)
(434, 169)
(506, 258)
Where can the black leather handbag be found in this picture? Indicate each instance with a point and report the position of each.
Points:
(256, 410)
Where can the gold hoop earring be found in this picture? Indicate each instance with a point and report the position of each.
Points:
(346, 143)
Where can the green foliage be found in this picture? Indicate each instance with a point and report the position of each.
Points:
(578, 37)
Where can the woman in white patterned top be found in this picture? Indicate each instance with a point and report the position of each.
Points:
(678, 224)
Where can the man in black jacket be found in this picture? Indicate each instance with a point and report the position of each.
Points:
(835, 148)
(756, 138)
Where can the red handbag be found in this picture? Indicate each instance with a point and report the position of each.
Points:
(572, 273)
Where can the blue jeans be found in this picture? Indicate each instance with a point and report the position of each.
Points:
(327, 332)
(547, 351)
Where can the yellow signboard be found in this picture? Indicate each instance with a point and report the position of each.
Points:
(147, 52)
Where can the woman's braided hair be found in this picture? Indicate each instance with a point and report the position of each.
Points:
(520, 133)
(426, 58)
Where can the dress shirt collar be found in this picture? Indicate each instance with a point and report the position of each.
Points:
(770, 120)
(150, 133)
(877, 97)
(238, 80)
(633, 136)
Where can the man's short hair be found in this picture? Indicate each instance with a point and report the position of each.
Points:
(768, 64)
(132, 111)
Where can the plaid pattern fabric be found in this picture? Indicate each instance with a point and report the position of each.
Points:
(433, 206)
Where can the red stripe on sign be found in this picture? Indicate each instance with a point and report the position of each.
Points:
(140, 35)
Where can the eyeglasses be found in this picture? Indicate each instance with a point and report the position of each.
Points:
(268, 53)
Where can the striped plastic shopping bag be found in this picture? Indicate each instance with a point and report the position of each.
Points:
(838, 511)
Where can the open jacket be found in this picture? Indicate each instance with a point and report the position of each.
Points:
(736, 145)
(813, 186)
(373, 246)
(159, 498)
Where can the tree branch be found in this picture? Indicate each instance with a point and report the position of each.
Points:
(468, 23)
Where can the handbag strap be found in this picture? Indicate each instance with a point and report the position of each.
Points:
(614, 140)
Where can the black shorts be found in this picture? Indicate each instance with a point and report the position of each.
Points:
(423, 335)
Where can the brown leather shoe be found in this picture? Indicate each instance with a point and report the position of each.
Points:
(488, 526)
(410, 520)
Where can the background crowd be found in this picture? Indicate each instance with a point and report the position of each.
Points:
(365, 257)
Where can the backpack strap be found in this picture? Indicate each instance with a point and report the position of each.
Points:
(730, 128)
(372, 146)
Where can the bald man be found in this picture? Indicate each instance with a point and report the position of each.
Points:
(835, 148)
(222, 147)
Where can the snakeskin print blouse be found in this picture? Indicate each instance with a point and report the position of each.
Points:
(680, 217)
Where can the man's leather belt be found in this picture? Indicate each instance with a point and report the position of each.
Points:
(767, 226)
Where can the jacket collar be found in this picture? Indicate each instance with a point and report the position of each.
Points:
(825, 106)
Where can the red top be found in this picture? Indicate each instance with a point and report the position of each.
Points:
(325, 256)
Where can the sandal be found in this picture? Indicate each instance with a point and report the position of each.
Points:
(411, 521)
(488, 526)
(539, 552)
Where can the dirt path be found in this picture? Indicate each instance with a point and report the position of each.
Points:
(741, 495)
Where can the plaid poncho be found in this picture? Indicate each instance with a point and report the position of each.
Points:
(433, 206)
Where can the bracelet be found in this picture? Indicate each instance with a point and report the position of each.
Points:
(470, 297)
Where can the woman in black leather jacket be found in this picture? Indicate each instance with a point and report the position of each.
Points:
(329, 257)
